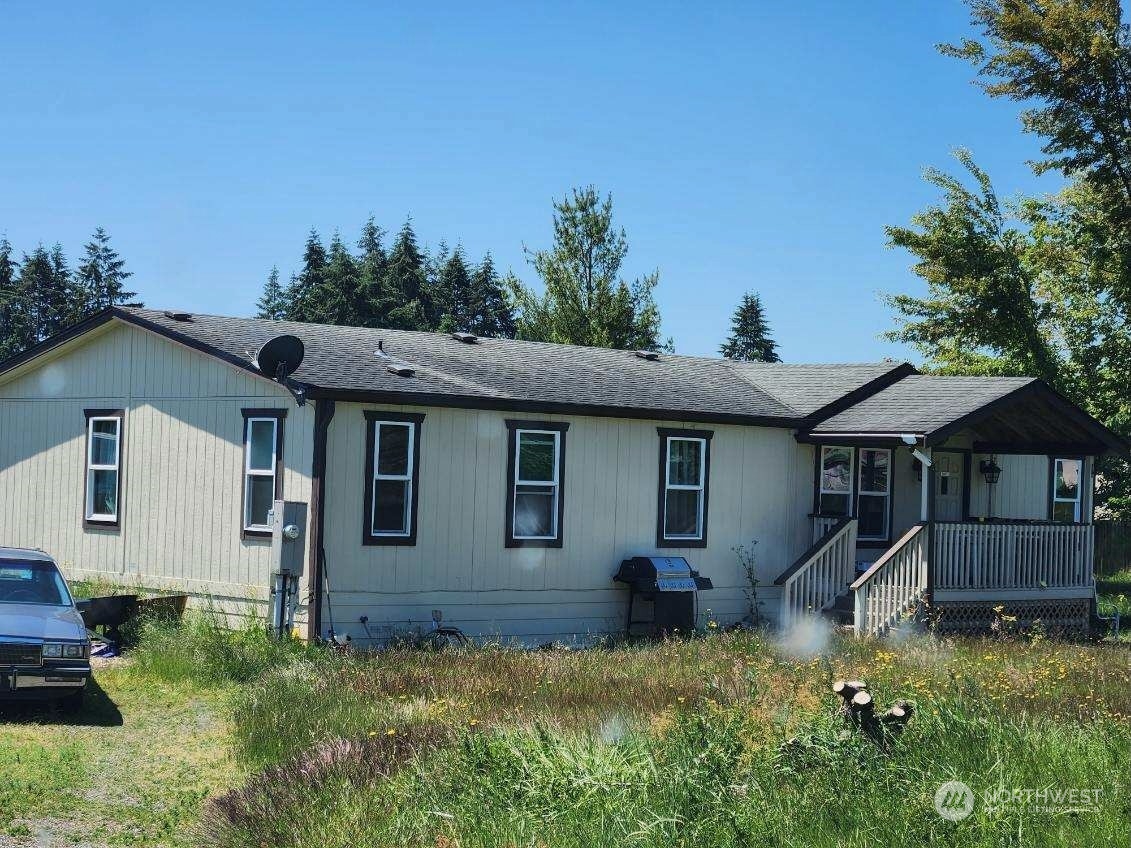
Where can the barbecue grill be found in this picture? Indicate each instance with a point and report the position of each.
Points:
(670, 584)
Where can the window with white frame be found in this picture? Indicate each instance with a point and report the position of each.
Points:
(103, 466)
(263, 435)
(874, 493)
(835, 483)
(1066, 489)
(536, 484)
(392, 477)
(684, 474)
(392, 470)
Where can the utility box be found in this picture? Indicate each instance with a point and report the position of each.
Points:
(288, 536)
(288, 544)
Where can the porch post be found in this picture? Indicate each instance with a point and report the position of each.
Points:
(925, 490)
(926, 515)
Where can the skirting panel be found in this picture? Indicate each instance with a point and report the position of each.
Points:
(1063, 616)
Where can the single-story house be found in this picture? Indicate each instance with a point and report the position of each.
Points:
(502, 482)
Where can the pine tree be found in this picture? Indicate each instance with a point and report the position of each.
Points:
(272, 304)
(338, 292)
(15, 306)
(402, 303)
(452, 295)
(750, 334)
(44, 285)
(302, 293)
(373, 264)
(491, 313)
(585, 301)
(100, 279)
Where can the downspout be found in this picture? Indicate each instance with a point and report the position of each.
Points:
(323, 415)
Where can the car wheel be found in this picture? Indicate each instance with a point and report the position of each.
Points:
(72, 703)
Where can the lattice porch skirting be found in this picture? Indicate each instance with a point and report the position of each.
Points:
(1065, 616)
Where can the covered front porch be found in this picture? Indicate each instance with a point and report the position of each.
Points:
(964, 493)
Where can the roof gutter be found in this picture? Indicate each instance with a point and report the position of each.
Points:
(899, 438)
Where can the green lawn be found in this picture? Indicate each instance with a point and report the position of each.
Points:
(232, 740)
(132, 769)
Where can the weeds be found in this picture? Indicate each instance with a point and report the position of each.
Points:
(202, 649)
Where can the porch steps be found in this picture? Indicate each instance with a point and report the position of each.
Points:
(843, 610)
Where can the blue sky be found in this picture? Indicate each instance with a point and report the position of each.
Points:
(757, 146)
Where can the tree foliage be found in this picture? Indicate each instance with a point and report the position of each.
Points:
(101, 277)
(40, 295)
(1039, 286)
(402, 287)
(584, 300)
(749, 339)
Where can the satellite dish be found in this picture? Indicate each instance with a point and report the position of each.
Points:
(280, 357)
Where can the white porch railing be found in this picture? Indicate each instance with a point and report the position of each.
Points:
(820, 574)
(972, 556)
(893, 585)
(822, 524)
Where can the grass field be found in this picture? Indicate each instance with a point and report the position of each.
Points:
(233, 740)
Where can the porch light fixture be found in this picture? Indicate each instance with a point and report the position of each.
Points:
(990, 470)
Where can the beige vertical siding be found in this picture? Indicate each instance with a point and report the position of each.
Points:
(183, 462)
(1022, 491)
(760, 489)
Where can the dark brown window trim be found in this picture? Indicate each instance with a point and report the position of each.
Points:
(854, 495)
(371, 417)
(249, 413)
(513, 426)
(665, 433)
(885, 541)
(120, 414)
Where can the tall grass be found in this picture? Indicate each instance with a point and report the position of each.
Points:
(708, 776)
(203, 649)
(678, 743)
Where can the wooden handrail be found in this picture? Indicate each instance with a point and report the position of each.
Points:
(813, 551)
(888, 554)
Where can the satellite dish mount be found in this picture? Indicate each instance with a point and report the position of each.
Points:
(278, 359)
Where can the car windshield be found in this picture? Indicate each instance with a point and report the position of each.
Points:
(32, 582)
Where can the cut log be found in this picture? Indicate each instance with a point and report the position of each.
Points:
(862, 702)
(899, 713)
(848, 688)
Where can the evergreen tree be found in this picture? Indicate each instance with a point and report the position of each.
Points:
(373, 263)
(100, 280)
(340, 288)
(402, 302)
(750, 334)
(584, 300)
(303, 291)
(16, 330)
(452, 294)
(44, 285)
(272, 304)
(491, 313)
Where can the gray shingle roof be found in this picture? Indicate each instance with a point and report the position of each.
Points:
(499, 372)
(920, 404)
(809, 388)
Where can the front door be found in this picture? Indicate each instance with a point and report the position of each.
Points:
(948, 486)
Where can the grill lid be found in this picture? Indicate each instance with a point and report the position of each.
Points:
(664, 574)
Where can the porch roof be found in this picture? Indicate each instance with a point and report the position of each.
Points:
(1004, 414)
